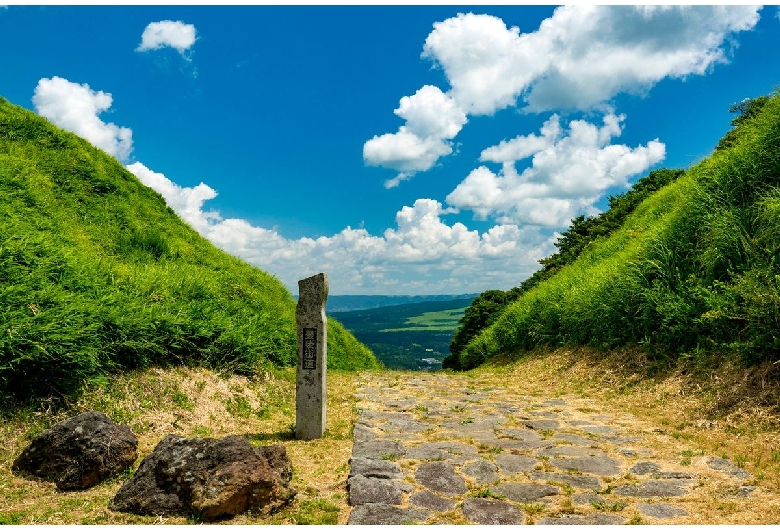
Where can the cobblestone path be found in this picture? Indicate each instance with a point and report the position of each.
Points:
(432, 448)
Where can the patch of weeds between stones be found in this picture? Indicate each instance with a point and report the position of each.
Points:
(547, 433)
(635, 520)
(489, 449)
(606, 490)
(567, 505)
(466, 421)
(604, 506)
(740, 460)
(567, 488)
(421, 408)
(390, 457)
(457, 408)
(486, 493)
(534, 508)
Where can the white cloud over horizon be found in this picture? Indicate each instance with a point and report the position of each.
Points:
(168, 33)
(578, 59)
(570, 170)
(76, 108)
(421, 254)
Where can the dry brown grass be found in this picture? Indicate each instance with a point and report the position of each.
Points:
(726, 411)
(193, 403)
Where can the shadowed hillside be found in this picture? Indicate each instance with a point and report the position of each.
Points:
(692, 272)
(98, 275)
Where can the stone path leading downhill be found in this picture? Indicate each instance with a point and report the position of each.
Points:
(434, 448)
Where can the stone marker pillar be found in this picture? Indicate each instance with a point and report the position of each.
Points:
(312, 357)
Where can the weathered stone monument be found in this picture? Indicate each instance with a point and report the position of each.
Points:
(312, 357)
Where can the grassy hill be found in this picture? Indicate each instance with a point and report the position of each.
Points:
(98, 275)
(693, 272)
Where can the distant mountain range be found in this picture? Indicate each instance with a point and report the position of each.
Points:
(358, 302)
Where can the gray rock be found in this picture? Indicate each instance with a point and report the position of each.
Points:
(429, 500)
(212, 478)
(586, 498)
(596, 465)
(662, 511)
(375, 514)
(483, 471)
(442, 451)
(440, 477)
(592, 519)
(511, 464)
(491, 511)
(554, 402)
(363, 490)
(525, 435)
(633, 451)
(673, 475)
(374, 468)
(526, 493)
(542, 425)
(651, 488)
(737, 491)
(506, 443)
(721, 464)
(643, 468)
(571, 451)
(574, 439)
(362, 433)
(79, 452)
(597, 429)
(620, 440)
(379, 449)
(404, 426)
(582, 482)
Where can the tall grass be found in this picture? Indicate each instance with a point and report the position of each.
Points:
(98, 275)
(693, 271)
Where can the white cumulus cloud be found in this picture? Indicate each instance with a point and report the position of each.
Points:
(76, 108)
(422, 253)
(170, 33)
(570, 170)
(579, 58)
(431, 119)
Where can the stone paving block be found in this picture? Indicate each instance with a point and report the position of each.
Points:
(362, 433)
(571, 451)
(441, 451)
(511, 464)
(582, 482)
(525, 435)
(592, 519)
(379, 449)
(374, 468)
(363, 490)
(721, 464)
(597, 429)
(483, 471)
(491, 511)
(542, 425)
(526, 493)
(440, 477)
(574, 439)
(596, 465)
(586, 498)
(651, 488)
(661, 511)
(644, 468)
(376, 514)
(431, 501)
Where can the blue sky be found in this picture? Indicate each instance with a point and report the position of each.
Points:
(400, 149)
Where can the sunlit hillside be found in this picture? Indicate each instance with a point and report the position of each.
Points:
(692, 272)
(98, 275)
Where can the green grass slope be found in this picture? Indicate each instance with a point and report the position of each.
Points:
(694, 271)
(97, 275)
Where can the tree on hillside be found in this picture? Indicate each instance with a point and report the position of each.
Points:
(746, 110)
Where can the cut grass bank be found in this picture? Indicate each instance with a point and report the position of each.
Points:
(693, 271)
(98, 275)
